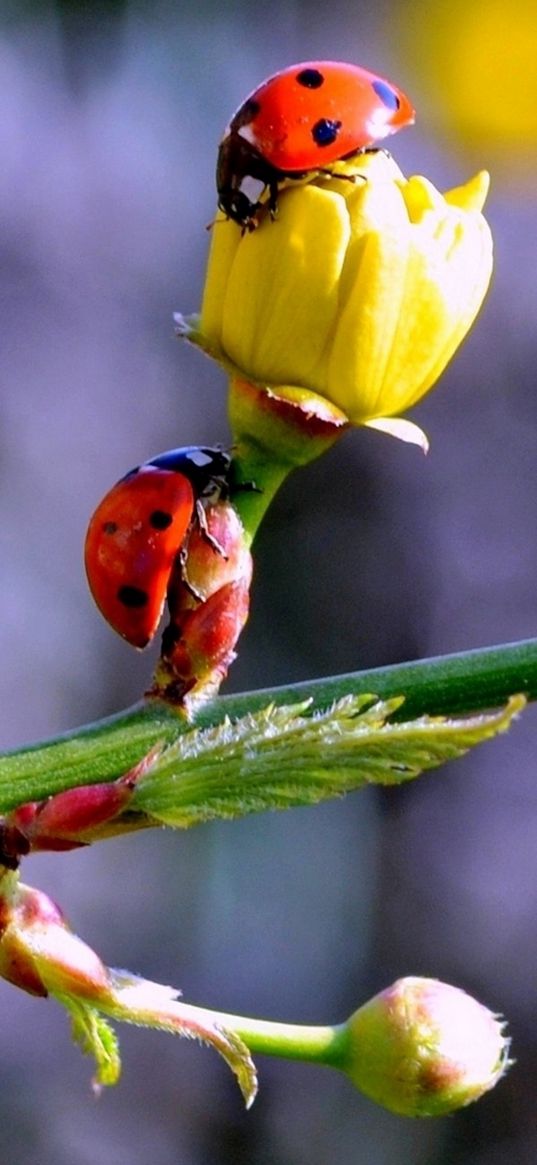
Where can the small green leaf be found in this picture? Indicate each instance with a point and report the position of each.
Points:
(131, 999)
(286, 756)
(153, 1005)
(96, 1038)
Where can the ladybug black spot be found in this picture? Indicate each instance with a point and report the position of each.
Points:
(110, 527)
(387, 95)
(160, 520)
(132, 596)
(325, 131)
(310, 78)
(246, 114)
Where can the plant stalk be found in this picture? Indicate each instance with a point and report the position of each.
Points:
(466, 682)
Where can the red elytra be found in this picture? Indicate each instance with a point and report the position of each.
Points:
(139, 529)
(303, 119)
(132, 542)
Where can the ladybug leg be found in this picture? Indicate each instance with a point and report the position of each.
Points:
(202, 522)
(272, 201)
(344, 177)
(234, 486)
(246, 487)
(349, 157)
(376, 150)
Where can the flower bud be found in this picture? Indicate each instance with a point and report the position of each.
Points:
(360, 291)
(424, 1048)
(208, 601)
(73, 818)
(38, 951)
(40, 954)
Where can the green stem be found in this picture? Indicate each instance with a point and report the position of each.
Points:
(252, 468)
(275, 432)
(452, 684)
(465, 682)
(290, 1041)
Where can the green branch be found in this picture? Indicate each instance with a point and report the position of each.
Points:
(444, 685)
(452, 684)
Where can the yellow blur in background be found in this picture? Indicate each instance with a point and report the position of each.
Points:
(476, 65)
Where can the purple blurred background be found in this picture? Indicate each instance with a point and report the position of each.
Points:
(110, 115)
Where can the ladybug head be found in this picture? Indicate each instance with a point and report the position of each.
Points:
(238, 159)
(237, 206)
(206, 467)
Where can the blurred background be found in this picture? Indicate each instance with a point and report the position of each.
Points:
(110, 116)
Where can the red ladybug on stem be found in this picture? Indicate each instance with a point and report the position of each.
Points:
(139, 529)
(300, 121)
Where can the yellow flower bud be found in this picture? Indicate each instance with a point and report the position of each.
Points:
(360, 291)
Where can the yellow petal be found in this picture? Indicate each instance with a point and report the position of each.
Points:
(417, 290)
(281, 298)
(369, 321)
(225, 239)
(473, 194)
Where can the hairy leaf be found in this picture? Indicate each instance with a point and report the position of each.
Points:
(96, 1038)
(286, 756)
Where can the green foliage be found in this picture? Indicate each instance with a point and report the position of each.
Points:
(96, 1038)
(130, 999)
(288, 756)
(459, 684)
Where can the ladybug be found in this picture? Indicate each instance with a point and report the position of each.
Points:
(140, 528)
(299, 121)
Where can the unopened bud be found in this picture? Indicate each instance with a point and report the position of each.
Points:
(38, 951)
(208, 600)
(424, 1048)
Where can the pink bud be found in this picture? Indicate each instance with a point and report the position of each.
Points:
(208, 600)
(38, 951)
(70, 819)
